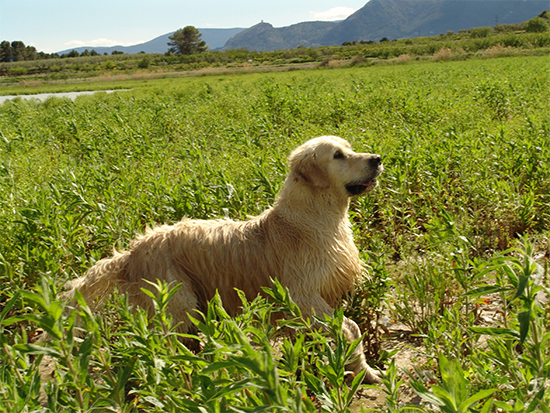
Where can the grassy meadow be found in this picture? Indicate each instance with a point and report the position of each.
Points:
(456, 237)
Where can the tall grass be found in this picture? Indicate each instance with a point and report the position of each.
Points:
(467, 156)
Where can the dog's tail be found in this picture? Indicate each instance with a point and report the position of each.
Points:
(100, 279)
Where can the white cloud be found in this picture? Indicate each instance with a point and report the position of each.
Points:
(97, 43)
(336, 13)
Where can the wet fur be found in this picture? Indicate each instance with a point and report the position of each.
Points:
(304, 240)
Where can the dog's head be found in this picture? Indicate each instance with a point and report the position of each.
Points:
(329, 162)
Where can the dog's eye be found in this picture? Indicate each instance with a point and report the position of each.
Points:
(338, 155)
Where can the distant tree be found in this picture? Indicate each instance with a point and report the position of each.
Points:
(73, 53)
(18, 50)
(30, 53)
(187, 41)
(85, 53)
(6, 52)
(115, 52)
(537, 25)
(94, 53)
(384, 39)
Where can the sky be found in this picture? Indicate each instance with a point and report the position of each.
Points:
(56, 25)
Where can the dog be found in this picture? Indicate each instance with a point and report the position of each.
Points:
(304, 241)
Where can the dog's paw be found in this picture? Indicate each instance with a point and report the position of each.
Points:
(372, 376)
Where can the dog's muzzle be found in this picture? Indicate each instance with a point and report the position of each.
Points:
(370, 182)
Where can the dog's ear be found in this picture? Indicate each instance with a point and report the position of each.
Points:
(306, 167)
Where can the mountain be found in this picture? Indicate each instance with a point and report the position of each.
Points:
(397, 19)
(214, 38)
(264, 36)
(393, 19)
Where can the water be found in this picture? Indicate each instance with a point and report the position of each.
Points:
(43, 96)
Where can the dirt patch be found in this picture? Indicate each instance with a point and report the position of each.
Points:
(408, 354)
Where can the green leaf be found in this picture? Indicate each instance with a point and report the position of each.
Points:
(217, 366)
(487, 406)
(8, 306)
(154, 401)
(543, 406)
(446, 397)
(522, 284)
(496, 331)
(512, 277)
(149, 293)
(537, 402)
(524, 319)
(486, 289)
(357, 380)
(505, 406)
(35, 298)
(464, 406)
(453, 380)
(123, 376)
(36, 350)
(18, 319)
(352, 346)
(313, 383)
(173, 291)
(423, 392)
(234, 387)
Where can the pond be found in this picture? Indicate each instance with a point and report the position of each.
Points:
(43, 96)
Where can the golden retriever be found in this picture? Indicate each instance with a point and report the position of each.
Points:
(305, 241)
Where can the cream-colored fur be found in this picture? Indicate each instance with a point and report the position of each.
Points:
(305, 241)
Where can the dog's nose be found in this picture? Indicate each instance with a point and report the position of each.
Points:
(375, 161)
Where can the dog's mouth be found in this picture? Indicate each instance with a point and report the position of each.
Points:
(359, 188)
(366, 185)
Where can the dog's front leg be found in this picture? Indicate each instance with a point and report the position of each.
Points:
(352, 332)
(316, 304)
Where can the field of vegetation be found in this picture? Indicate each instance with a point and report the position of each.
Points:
(456, 238)
(480, 42)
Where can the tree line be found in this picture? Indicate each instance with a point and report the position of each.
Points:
(183, 42)
(16, 51)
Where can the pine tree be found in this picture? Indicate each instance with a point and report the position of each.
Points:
(187, 41)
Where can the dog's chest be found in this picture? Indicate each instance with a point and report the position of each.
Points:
(341, 266)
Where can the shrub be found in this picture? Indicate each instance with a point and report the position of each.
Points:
(145, 62)
(443, 54)
(404, 58)
(17, 71)
(514, 27)
(498, 51)
(357, 60)
(479, 32)
(537, 25)
(109, 65)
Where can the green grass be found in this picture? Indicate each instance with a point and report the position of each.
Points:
(466, 146)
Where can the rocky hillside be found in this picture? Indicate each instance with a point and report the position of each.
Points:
(393, 19)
